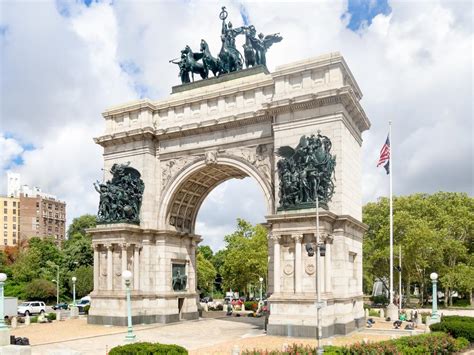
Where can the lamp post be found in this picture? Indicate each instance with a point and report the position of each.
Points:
(127, 276)
(74, 279)
(57, 281)
(434, 310)
(3, 278)
(311, 252)
(261, 286)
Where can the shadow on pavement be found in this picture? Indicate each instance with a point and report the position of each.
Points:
(257, 322)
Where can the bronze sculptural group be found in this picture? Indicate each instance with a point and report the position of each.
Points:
(306, 171)
(229, 58)
(121, 197)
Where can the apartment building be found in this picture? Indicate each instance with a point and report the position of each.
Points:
(42, 216)
(10, 217)
(29, 212)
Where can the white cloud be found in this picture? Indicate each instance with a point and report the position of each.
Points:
(9, 149)
(59, 73)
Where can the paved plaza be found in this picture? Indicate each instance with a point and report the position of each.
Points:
(214, 334)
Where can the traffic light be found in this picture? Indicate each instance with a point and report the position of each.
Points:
(322, 250)
(309, 249)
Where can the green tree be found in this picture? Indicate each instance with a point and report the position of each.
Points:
(206, 252)
(42, 290)
(206, 274)
(78, 252)
(246, 257)
(435, 232)
(84, 282)
(80, 224)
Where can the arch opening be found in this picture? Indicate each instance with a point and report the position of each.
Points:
(185, 195)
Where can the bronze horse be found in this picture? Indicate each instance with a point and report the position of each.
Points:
(192, 65)
(210, 63)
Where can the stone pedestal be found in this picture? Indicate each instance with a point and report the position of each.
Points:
(74, 312)
(4, 337)
(338, 275)
(392, 312)
(150, 255)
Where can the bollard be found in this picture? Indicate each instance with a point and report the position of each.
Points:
(366, 313)
(382, 313)
(14, 323)
(27, 320)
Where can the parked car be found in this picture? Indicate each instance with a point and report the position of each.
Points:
(32, 307)
(206, 299)
(60, 306)
(82, 303)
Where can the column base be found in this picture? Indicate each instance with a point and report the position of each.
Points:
(141, 319)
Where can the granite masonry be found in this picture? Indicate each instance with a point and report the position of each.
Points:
(230, 127)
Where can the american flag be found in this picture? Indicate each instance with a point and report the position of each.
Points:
(385, 156)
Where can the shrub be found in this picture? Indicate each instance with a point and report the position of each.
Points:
(86, 309)
(380, 299)
(40, 289)
(434, 343)
(374, 313)
(51, 316)
(34, 319)
(251, 305)
(456, 326)
(148, 348)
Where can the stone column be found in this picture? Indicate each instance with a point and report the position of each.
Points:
(136, 267)
(298, 270)
(110, 267)
(192, 267)
(124, 262)
(145, 266)
(276, 263)
(96, 267)
(327, 267)
(163, 282)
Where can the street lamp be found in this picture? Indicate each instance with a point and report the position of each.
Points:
(74, 279)
(434, 310)
(320, 250)
(261, 285)
(57, 290)
(127, 276)
(3, 278)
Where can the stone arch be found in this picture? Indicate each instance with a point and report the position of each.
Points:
(184, 195)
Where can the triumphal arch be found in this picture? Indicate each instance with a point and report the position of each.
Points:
(296, 131)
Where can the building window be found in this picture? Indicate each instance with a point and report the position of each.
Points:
(14, 218)
(5, 219)
(14, 234)
(37, 205)
(5, 226)
(5, 234)
(5, 211)
(14, 211)
(14, 226)
(37, 226)
(14, 203)
(14, 241)
(5, 203)
(4, 241)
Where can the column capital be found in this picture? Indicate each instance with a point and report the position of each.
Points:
(275, 237)
(298, 237)
(124, 245)
(96, 246)
(137, 246)
(109, 246)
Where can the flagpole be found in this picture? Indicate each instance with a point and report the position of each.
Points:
(400, 278)
(391, 209)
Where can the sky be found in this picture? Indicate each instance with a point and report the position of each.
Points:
(64, 62)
